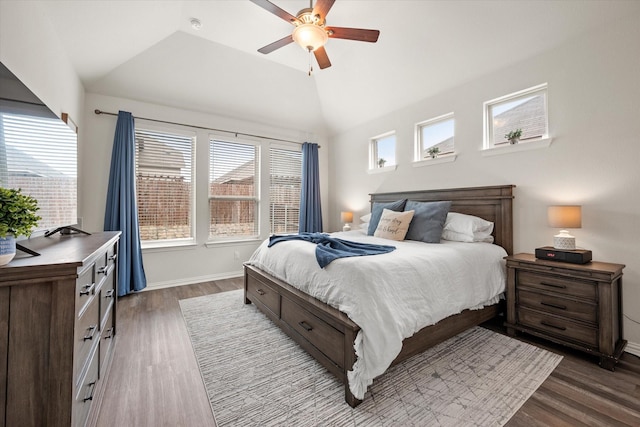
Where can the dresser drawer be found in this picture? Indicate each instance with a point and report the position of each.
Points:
(324, 337)
(561, 306)
(87, 331)
(84, 397)
(85, 289)
(264, 294)
(558, 326)
(106, 343)
(107, 296)
(560, 285)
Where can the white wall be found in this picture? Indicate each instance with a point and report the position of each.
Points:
(30, 48)
(594, 115)
(174, 266)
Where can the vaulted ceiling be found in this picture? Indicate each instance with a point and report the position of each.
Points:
(148, 51)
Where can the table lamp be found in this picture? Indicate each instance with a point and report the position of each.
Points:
(346, 217)
(564, 217)
(564, 244)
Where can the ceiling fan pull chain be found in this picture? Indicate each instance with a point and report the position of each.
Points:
(310, 66)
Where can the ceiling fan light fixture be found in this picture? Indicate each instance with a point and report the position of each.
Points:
(310, 36)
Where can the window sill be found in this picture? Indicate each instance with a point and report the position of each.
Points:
(168, 245)
(382, 170)
(443, 158)
(521, 146)
(218, 243)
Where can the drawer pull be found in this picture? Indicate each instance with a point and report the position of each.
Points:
(306, 326)
(87, 289)
(91, 331)
(260, 292)
(553, 285)
(113, 257)
(109, 334)
(109, 293)
(92, 387)
(558, 306)
(561, 328)
(103, 270)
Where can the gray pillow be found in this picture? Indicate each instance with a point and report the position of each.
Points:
(428, 220)
(376, 212)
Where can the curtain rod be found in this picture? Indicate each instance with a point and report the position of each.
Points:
(202, 127)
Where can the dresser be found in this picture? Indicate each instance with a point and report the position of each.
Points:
(577, 305)
(57, 329)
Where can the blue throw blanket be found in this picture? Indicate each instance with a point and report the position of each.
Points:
(329, 249)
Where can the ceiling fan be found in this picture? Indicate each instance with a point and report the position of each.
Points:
(311, 32)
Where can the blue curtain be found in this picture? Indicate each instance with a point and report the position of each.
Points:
(122, 211)
(310, 209)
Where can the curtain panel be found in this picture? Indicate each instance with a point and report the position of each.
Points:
(310, 209)
(122, 212)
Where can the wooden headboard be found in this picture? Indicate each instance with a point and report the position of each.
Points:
(493, 203)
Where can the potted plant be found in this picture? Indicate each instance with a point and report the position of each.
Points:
(17, 217)
(433, 152)
(514, 136)
(381, 162)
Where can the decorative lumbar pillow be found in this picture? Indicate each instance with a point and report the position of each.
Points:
(393, 225)
(467, 228)
(376, 212)
(428, 220)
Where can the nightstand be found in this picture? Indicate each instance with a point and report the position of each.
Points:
(577, 305)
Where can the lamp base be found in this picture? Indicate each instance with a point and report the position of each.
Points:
(576, 256)
(346, 227)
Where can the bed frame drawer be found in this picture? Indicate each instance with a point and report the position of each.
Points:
(323, 336)
(261, 293)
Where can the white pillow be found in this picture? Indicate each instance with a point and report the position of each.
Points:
(393, 225)
(467, 228)
(366, 218)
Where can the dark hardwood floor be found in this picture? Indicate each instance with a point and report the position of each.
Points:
(155, 380)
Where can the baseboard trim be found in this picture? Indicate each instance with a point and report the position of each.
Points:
(633, 348)
(192, 280)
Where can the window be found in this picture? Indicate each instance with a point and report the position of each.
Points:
(285, 176)
(435, 134)
(233, 189)
(383, 151)
(38, 154)
(525, 110)
(164, 185)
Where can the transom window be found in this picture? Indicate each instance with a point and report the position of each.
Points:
(435, 137)
(523, 112)
(382, 150)
(164, 185)
(233, 189)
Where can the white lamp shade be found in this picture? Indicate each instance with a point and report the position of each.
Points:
(310, 36)
(346, 217)
(564, 216)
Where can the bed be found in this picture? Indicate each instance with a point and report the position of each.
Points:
(329, 335)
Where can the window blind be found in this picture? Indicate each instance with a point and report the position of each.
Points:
(39, 156)
(233, 183)
(284, 190)
(164, 185)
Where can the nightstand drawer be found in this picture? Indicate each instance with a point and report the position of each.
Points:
(561, 327)
(560, 285)
(561, 306)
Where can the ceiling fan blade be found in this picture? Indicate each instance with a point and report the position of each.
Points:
(276, 45)
(268, 6)
(353, 34)
(322, 8)
(322, 58)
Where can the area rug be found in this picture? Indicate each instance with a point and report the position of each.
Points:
(255, 375)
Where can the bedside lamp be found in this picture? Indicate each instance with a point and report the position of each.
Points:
(564, 217)
(346, 217)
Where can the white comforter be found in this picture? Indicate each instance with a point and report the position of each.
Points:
(390, 296)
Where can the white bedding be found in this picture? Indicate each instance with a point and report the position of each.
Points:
(390, 296)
